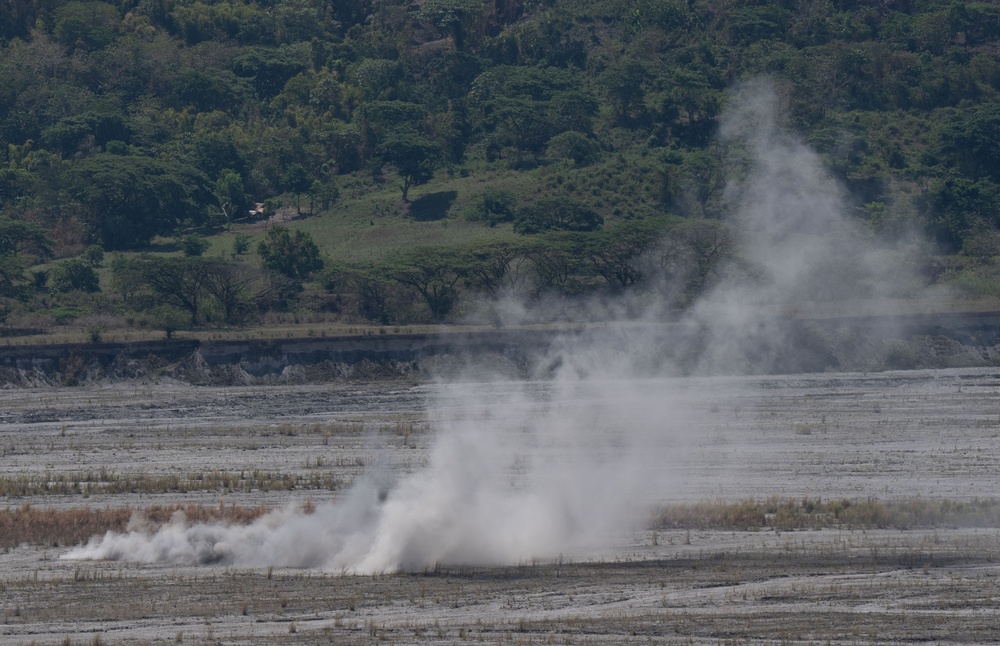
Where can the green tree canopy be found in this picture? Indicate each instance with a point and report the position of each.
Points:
(624, 82)
(432, 273)
(20, 237)
(126, 200)
(293, 255)
(297, 180)
(20, 243)
(574, 146)
(414, 157)
(557, 214)
(74, 275)
(231, 195)
(973, 141)
(460, 18)
(493, 206)
(500, 268)
(178, 282)
(617, 255)
(92, 24)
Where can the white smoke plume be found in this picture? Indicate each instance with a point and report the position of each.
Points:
(798, 248)
(534, 470)
(538, 473)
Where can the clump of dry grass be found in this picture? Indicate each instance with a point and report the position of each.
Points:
(807, 513)
(56, 527)
(103, 481)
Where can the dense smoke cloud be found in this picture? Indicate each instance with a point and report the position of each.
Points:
(536, 473)
(519, 471)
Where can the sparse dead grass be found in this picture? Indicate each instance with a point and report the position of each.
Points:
(102, 481)
(27, 524)
(806, 513)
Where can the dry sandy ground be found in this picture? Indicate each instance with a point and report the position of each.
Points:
(841, 587)
(889, 436)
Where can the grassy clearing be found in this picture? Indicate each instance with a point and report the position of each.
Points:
(370, 222)
(56, 527)
(790, 514)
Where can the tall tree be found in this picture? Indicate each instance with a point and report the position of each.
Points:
(128, 199)
(297, 181)
(374, 290)
(179, 282)
(434, 274)
(20, 243)
(231, 195)
(616, 255)
(240, 289)
(559, 261)
(294, 255)
(624, 82)
(498, 268)
(413, 156)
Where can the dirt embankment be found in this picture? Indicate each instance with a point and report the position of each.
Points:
(265, 361)
(772, 346)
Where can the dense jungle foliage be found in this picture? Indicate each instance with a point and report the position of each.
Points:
(176, 163)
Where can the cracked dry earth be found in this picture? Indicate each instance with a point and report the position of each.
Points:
(931, 434)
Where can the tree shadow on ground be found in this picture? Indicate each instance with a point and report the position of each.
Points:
(433, 206)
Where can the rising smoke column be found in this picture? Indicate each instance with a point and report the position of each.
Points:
(788, 206)
(549, 470)
(797, 246)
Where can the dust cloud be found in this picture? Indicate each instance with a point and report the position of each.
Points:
(530, 472)
(546, 468)
(799, 250)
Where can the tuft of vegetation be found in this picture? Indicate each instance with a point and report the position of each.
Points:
(62, 527)
(808, 513)
(69, 526)
(103, 481)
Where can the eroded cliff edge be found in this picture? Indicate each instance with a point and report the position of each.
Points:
(772, 346)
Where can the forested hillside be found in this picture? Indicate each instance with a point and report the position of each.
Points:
(187, 163)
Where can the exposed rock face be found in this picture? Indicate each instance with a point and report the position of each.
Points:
(788, 346)
(256, 362)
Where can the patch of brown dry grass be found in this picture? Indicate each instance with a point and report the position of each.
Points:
(103, 481)
(56, 527)
(807, 513)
